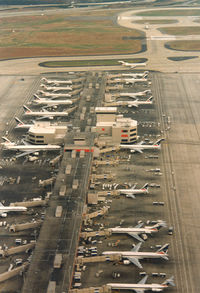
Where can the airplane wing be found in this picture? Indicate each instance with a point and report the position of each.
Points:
(132, 105)
(44, 117)
(135, 261)
(139, 225)
(130, 195)
(136, 248)
(25, 153)
(137, 150)
(143, 281)
(136, 236)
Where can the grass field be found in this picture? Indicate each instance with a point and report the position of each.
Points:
(105, 62)
(65, 35)
(183, 45)
(181, 31)
(174, 12)
(155, 21)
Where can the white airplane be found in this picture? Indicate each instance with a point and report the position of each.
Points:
(145, 74)
(134, 255)
(135, 103)
(134, 95)
(22, 125)
(55, 96)
(28, 148)
(138, 229)
(56, 81)
(47, 114)
(134, 80)
(4, 210)
(140, 146)
(141, 286)
(40, 101)
(56, 89)
(132, 191)
(132, 65)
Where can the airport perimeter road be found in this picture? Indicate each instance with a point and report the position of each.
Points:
(177, 97)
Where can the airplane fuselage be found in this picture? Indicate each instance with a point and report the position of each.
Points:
(26, 148)
(45, 114)
(12, 209)
(119, 230)
(56, 89)
(144, 287)
(47, 94)
(51, 102)
(133, 191)
(140, 147)
(23, 126)
(139, 255)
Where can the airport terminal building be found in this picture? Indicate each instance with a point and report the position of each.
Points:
(45, 133)
(119, 129)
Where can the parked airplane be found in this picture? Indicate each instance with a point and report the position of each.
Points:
(56, 81)
(4, 210)
(132, 65)
(28, 148)
(140, 146)
(141, 286)
(134, 255)
(22, 125)
(47, 114)
(134, 80)
(55, 96)
(133, 95)
(135, 103)
(56, 88)
(42, 101)
(130, 192)
(138, 229)
(144, 74)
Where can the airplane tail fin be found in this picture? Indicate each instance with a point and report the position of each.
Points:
(146, 186)
(5, 139)
(44, 86)
(150, 99)
(36, 97)
(160, 224)
(159, 141)
(18, 120)
(164, 248)
(26, 108)
(169, 281)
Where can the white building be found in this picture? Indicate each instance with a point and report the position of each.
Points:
(45, 133)
(119, 129)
